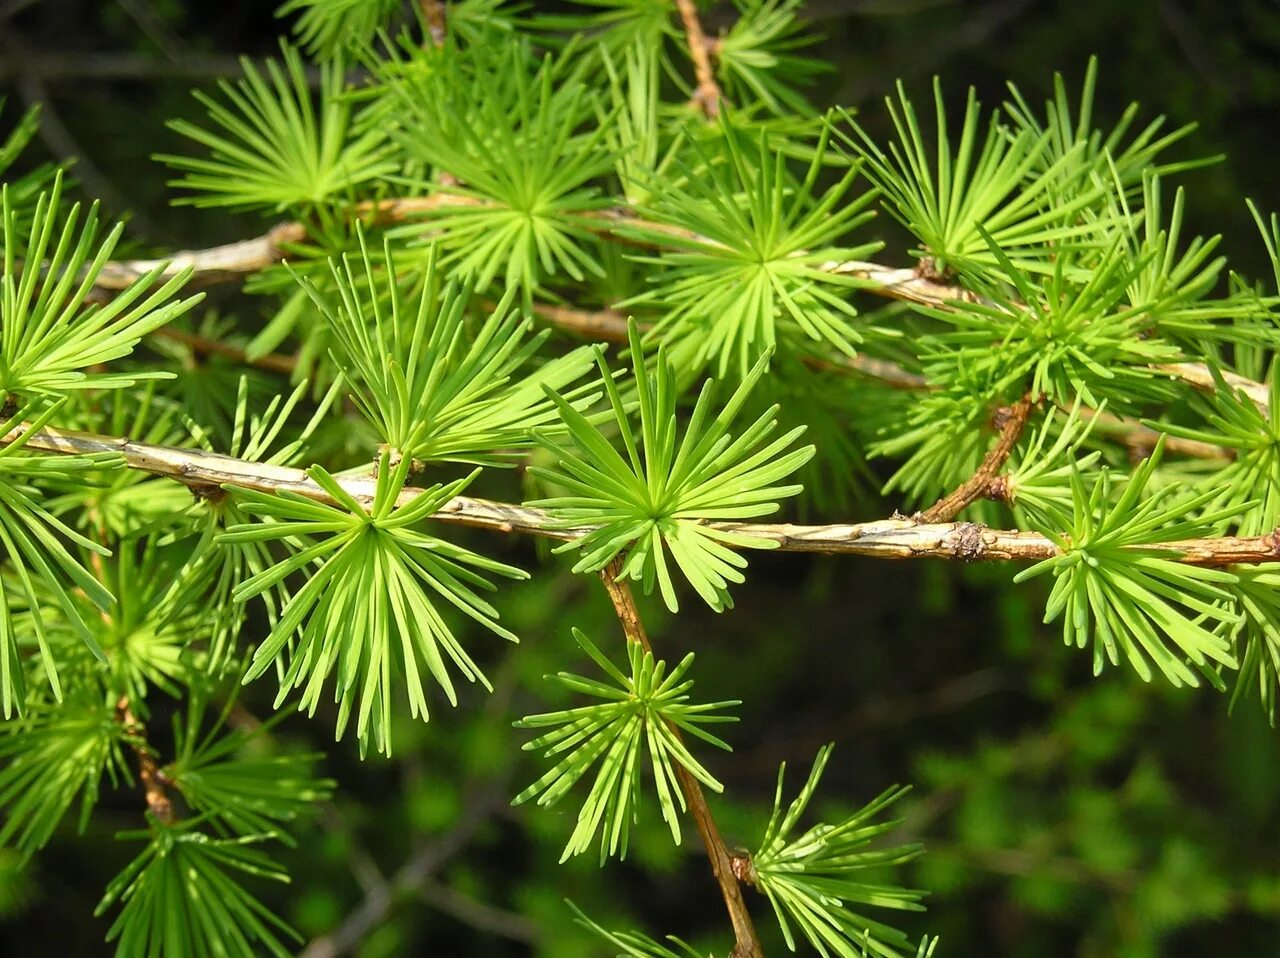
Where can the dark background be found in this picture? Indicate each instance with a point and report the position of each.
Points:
(1063, 815)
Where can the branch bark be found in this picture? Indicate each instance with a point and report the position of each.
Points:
(707, 96)
(746, 943)
(203, 345)
(895, 538)
(611, 326)
(436, 15)
(154, 784)
(978, 485)
(222, 263)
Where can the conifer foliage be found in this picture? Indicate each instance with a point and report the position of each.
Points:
(472, 189)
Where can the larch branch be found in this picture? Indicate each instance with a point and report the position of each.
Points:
(436, 15)
(895, 538)
(978, 485)
(746, 943)
(233, 260)
(204, 346)
(154, 784)
(707, 94)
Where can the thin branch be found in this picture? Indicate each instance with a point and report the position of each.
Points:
(215, 264)
(231, 261)
(747, 945)
(979, 484)
(203, 345)
(153, 781)
(436, 16)
(1142, 439)
(55, 134)
(881, 538)
(221, 263)
(81, 65)
(1199, 376)
(1024, 862)
(479, 807)
(707, 96)
(144, 14)
(478, 914)
(611, 326)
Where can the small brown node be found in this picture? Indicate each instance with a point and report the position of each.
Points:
(743, 868)
(965, 542)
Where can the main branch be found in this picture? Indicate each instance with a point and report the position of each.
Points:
(881, 538)
(747, 945)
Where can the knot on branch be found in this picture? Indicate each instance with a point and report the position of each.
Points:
(927, 268)
(743, 867)
(205, 492)
(394, 457)
(284, 234)
(1002, 416)
(999, 489)
(1272, 541)
(965, 541)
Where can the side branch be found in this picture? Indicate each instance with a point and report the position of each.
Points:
(977, 485)
(611, 326)
(218, 264)
(154, 784)
(747, 945)
(233, 260)
(436, 16)
(208, 473)
(707, 95)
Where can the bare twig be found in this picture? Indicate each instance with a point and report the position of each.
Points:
(707, 95)
(478, 914)
(233, 260)
(55, 134)
(747, 945)
(977, 485)
(208, 266)
(1142, 439)
(413, 876)
(153, 781)
(66, 67)
(611, 326)
(144, 14)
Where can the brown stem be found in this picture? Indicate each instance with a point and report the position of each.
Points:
(232, 260)
(977, 485)
(275, 362)
(707, 95)
(221, 263)
(747, 945)
(611, 326)
(149, 774)
(1141, 439)
(896, 538)
(436, 14)
(152, 779)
